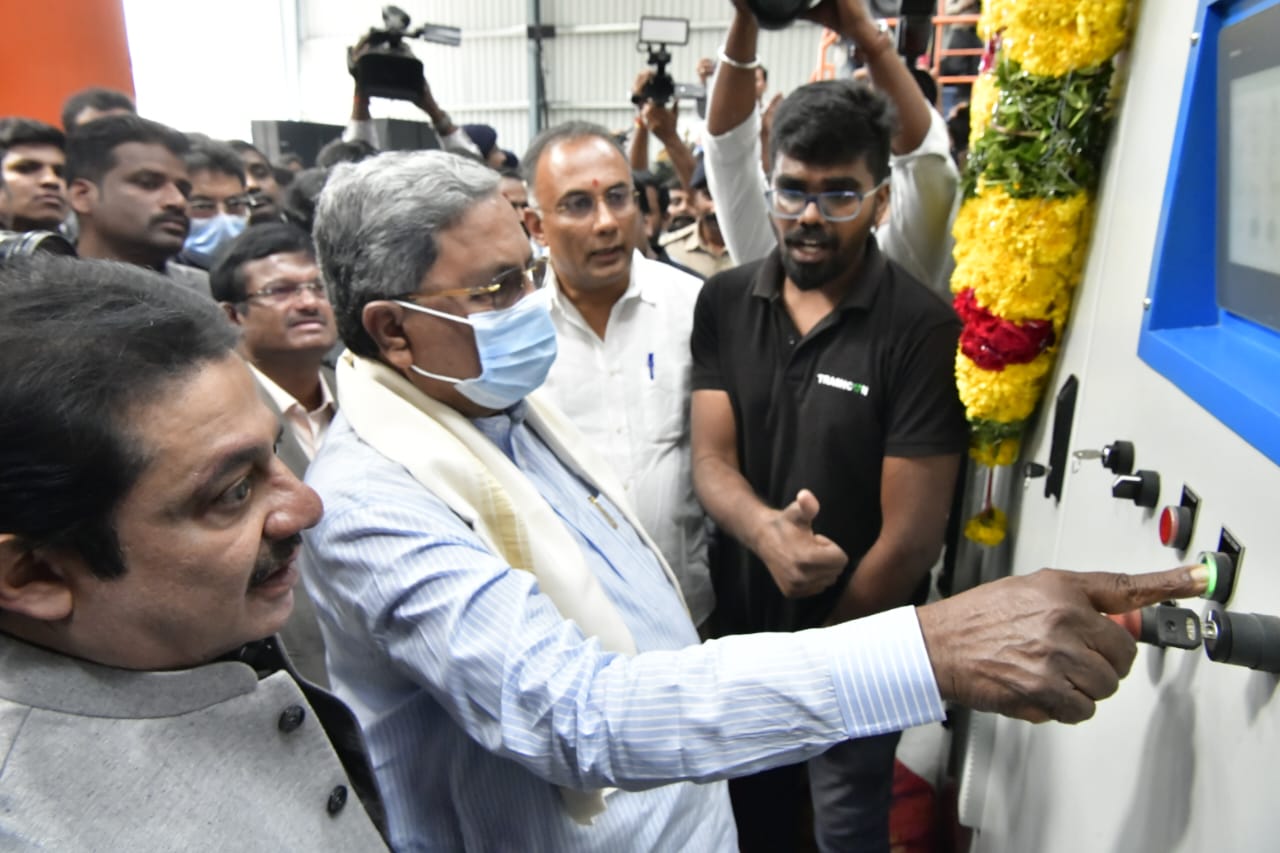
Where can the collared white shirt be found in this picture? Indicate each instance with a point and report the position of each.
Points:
(629, 395)
(308, 427)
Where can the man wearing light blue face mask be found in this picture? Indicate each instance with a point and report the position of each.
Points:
(218, 207)
(513, 645)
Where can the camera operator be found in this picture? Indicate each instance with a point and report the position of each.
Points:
(33, 188)
(452, 137)
(924, 180)
(659, 120)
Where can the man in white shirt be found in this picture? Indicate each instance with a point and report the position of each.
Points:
(622, 327)
(269, 285)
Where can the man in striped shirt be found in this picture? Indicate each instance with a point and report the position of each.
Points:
(515, 648)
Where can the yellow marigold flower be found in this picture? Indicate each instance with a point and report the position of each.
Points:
(1021, 257)
(987, 527)
(1004, 396)
(1054, 37)
(982, 103)
(996, 453)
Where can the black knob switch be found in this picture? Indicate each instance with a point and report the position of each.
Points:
(1243, 639)
(1117, 457)
(1141, 487)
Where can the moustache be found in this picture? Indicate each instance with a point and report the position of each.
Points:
(273, 557)
(180, 218)
(812, 235)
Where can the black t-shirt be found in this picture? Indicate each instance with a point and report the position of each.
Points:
(874, 378)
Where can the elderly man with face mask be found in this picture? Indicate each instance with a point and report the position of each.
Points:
(514, 646)
(148, 544)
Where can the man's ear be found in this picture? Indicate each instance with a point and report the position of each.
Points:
(384, 321)
(882, 204)
(233, 315)
(82, 194)
(533, 224)
(34, 581)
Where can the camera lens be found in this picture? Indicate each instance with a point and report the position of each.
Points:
(776, 14)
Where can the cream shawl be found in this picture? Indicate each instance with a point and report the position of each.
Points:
(457, 463)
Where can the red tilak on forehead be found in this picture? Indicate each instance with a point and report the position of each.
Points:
(595, 182)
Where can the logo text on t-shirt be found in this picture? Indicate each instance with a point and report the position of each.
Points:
(843, 384)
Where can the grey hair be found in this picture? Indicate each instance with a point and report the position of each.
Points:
(569, 130)
(376, 225)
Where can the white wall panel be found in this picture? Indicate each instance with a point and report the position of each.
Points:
(1181, 759)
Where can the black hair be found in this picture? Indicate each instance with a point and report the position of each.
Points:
(928, 86)
(208, 155)
(226, 275)
(562, 133)
(240, 146)
(28, 131)
(833, 122)
(340, 151)
(299, 202)
(958, 128)
(91, 147)
(98, 99)
(83, 343)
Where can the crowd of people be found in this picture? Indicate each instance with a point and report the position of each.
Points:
(621, 491)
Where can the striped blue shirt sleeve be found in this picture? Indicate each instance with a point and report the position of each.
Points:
(409, 587)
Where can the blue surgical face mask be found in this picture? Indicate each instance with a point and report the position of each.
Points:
(517, 347)
(207, 235)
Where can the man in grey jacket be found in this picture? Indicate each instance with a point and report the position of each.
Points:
(148, 537)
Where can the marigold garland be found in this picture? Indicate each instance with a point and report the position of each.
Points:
(1040, 117)
(982, 104)
(1002, 395)
(992, 342)
(996, 454)
(1051, 38)
(1021, 257)
(987, 527)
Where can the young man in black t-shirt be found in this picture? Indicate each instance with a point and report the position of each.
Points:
(827, 435)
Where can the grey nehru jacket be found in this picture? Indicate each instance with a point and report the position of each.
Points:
(211, 758)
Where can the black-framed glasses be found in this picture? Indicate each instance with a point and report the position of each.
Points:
(580, 205)
(289, 292)
(834, 205)
(503, 290)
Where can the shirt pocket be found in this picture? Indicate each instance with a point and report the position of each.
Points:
(664, 399)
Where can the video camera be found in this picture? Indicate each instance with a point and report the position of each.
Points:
(384, 66)
(655, 35)
(776, 14)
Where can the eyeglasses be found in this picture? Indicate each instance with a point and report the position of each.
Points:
(581, 205)
(281, 293)
(203, 208)
(503, 291)
(834, 205)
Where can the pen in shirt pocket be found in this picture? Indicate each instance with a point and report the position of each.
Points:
(650, 361)
(594, 500)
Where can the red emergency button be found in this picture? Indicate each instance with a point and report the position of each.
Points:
(1175, 527)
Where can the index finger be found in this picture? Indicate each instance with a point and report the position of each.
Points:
(1117, 593)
